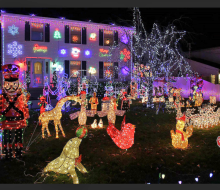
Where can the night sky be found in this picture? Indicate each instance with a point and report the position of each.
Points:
(202, 24)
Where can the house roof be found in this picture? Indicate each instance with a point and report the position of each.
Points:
(65, 21)
(216, 65)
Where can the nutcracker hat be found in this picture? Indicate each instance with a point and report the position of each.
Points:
(10, 72)
(183, 118)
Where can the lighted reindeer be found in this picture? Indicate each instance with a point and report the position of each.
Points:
(55, 115)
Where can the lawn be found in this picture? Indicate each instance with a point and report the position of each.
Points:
(151, 154)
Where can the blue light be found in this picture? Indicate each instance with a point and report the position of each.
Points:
(87, 52)
(63, 51)
(210, 175)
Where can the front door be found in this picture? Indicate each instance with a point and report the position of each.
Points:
(38, 67)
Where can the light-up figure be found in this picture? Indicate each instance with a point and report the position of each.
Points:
(180, 138)
(70, 158)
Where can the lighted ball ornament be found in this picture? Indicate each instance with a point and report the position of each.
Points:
(180, 138)
(70, 158)
(218, 141)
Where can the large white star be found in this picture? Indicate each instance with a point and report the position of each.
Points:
(13, 30)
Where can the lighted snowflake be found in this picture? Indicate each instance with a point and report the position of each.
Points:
(13, 30)
(14, 49)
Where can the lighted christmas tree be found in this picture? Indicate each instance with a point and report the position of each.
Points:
(57, 34)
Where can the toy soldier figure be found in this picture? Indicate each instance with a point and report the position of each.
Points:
(94, 102)
(13, 110)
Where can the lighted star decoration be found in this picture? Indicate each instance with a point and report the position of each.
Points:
(125, 55)
(14, 49)
(13, 30)
(63, 51)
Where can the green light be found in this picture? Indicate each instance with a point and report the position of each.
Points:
(57, 34)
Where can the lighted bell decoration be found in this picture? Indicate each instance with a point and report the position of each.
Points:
(180, 138)
(100, 125)
(123, 138)
(94, 124)
(70, 158)
(55, 115)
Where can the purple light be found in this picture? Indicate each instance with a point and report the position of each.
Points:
(124, 39)
(62, 17)
(87, 52)
(63, 51)
(2, 11)
(32, 14)
(125, 70)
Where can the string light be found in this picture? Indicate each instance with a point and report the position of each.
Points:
(55, 115)
(70, 158)
(38, 48)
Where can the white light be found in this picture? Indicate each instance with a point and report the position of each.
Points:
(180, 182)
(148, 183)
(163, 176)
(210, 175)
(197, 179)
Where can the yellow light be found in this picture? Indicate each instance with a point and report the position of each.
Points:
(94, 102)
(67, 161)
(180, 138)
(94, 124)
(55, 115)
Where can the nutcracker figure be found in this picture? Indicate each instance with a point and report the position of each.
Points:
(13, 111)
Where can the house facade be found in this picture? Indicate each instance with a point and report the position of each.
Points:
(43, 45)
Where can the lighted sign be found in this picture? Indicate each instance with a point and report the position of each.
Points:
(13, 30)
(104, 53)
(124, 39)
(125, 70)
(57, 34)
(63, 51)
(92, 70)
(125, 55)
(38, 48)
(92, 37)
(75, 52)
(14, 49)
(75, 38)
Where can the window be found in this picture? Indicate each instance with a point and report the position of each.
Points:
(29, 66)
(47, 67)
(74, 67)
(219, 78)
(37, 32)
(213, 79)
(108, 69)
(108, 38)
(75, 35)
(37, 68)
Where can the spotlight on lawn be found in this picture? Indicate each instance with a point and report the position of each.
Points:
(210, 175)
(197, 179)
(180, 182)
(163, 176)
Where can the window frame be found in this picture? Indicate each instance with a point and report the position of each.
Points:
(70, 35)
(31, 27)
(70, 70)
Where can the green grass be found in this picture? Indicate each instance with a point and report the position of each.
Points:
(107, 163)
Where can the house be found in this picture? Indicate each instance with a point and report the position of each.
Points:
(207, 63)
(42, 45)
